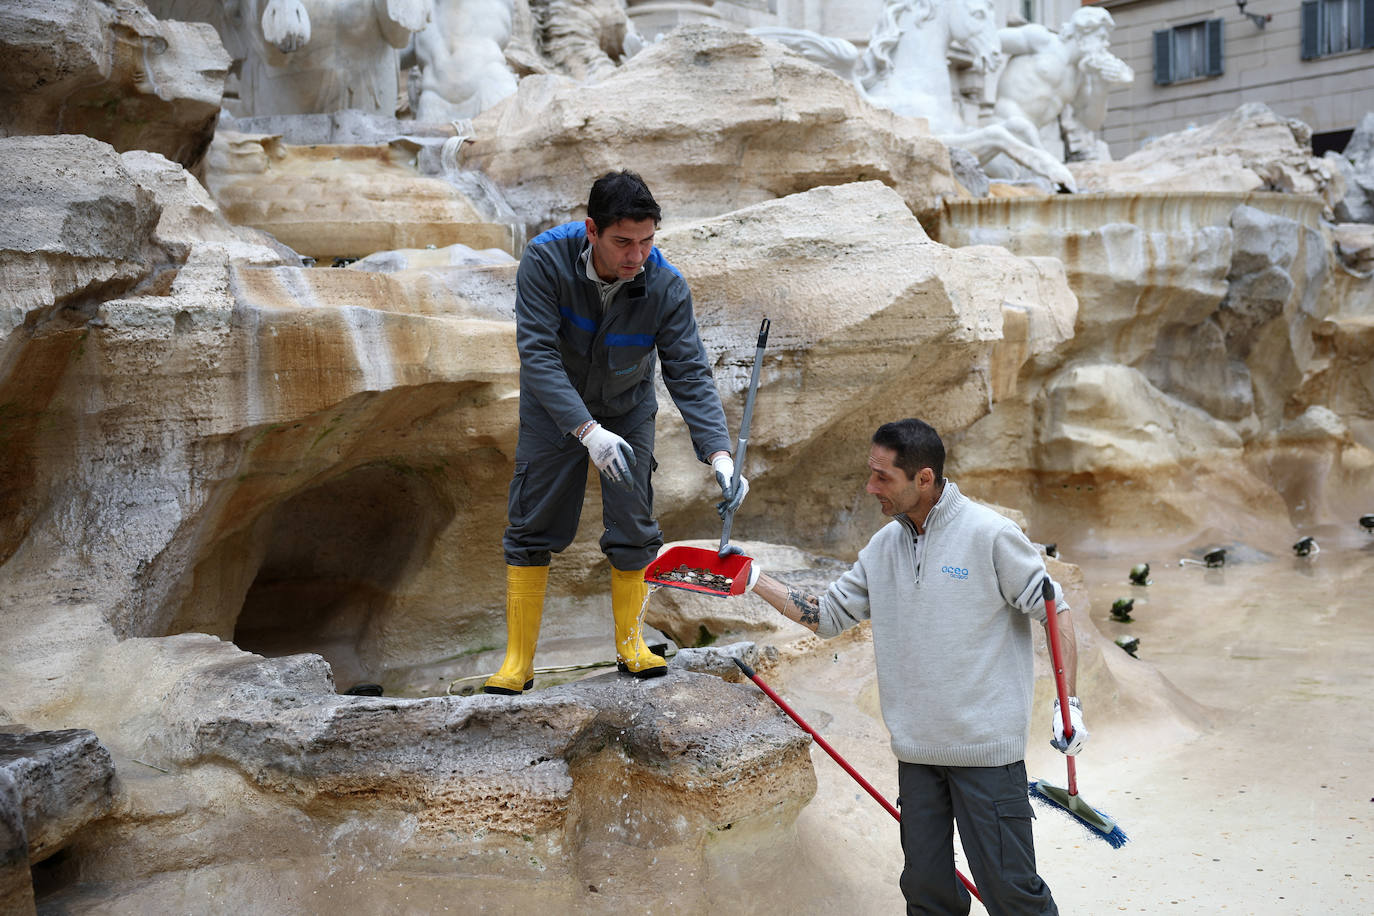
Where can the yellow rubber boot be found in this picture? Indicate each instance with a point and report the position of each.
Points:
(525, 586)
(628, 591)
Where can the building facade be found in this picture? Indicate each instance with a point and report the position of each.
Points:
(1198, 60)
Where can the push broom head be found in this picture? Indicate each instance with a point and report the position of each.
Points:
(1103, 827)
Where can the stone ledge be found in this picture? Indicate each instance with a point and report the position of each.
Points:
(64, 780)
(52, 784)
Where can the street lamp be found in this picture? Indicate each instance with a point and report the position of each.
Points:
(1256, 18)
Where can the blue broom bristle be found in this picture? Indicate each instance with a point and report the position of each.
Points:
(1116, 838)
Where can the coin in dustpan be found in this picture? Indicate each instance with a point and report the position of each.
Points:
(699, 570)
(691, 576)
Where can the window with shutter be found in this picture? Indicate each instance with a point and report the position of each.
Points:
(1164, 56)
(1311, 29)
(1187, 52)
(1214, 65)
(1335, 27)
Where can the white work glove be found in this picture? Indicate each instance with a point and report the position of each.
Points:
(1080, 734)
(724, 467)
(755, 571)
(611, 454)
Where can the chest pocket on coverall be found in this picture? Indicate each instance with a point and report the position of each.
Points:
(628, 359)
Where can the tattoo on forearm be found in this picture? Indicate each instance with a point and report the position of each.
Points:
(808, 607)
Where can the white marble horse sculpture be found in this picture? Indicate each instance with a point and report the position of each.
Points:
(905, 68)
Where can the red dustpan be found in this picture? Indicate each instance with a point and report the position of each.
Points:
(697, 569)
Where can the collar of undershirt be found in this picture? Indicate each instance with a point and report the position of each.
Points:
(606, 287)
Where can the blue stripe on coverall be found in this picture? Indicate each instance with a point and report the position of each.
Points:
(612, 340)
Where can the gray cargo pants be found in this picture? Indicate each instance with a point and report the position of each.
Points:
(993, 811)
(545, 501)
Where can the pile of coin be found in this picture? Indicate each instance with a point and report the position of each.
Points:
(689, 575)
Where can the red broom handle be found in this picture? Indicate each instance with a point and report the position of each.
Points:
(1060, 683)
(835, 755)
(825, 746)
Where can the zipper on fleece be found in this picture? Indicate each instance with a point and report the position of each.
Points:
(912, 534)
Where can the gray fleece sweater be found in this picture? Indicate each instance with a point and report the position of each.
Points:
(952, 635)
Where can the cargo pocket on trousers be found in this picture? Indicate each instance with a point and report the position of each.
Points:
(1014, 816)
(515, 502)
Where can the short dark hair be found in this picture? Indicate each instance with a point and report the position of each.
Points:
(621, 195)
(917, 445)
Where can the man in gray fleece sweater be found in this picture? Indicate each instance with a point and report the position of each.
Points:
(950, 587)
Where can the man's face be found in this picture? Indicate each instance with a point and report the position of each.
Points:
(620, 251)
(896, 493)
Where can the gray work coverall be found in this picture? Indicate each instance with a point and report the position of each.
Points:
(580, 363)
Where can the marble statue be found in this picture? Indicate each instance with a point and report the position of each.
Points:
(310, 56)
(586, 39)
(905, 68)
(896, 66)
(1048, 76)
(326, 55)
(463, 69)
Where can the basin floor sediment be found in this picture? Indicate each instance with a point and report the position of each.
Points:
(1263, 804)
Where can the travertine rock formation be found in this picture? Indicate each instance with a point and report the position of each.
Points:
(203, 440)
(1324, 451)
(560, 790)
(345, 200)
(1252, 149)
(1200, 329)
(52, 784)
(112, 71)
(16, 881)
(866, 308)
(168, 297)
(676, 114)
(334, 444)
(1354, 247)
(64, 780)
(1356, 165)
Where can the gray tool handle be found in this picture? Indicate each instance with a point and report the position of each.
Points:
(743, 445)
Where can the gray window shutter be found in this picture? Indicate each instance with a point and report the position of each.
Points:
(1215, 47)
(1164, 55)
(1368, 36)
(1311, 29)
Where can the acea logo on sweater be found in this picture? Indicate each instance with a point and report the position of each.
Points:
(955, 572)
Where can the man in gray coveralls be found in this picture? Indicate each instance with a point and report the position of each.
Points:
(596, 306)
